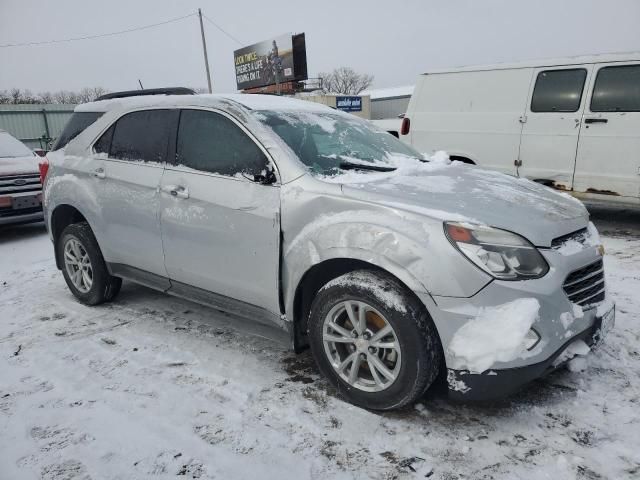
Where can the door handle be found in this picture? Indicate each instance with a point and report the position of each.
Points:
(596, 120)
(176, 191)
(99, 173)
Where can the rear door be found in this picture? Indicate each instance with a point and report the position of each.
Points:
(136, 149)
(609, 150)
(221, 229)
(552, 124)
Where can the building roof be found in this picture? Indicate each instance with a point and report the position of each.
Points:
(387, 93)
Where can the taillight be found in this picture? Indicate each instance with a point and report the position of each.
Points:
(406, 124)
(44, 169)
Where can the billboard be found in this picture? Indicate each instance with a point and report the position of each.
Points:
(278, 60)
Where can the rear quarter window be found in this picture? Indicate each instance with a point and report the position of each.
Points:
(75, 126)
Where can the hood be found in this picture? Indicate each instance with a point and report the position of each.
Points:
(460, 192)
(19, 165)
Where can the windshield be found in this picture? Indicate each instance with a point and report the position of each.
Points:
(329, 143)
(12, 147)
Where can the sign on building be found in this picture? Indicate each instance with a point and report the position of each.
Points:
(349, 104)
(281, 59)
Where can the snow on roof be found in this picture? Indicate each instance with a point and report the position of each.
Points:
(249, 101)
(391, 92)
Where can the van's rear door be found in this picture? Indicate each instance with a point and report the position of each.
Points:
(608, 159)
(552, 124)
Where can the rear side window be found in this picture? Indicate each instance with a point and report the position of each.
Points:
(75, 126)
(212, 143)
(143, 136)
(558, 90)
(617, 89)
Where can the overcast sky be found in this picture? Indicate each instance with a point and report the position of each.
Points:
(393, 40)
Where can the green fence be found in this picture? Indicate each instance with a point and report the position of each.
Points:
(35, 125)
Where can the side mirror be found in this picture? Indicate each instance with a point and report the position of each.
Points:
(268, 178)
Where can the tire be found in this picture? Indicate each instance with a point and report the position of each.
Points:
(103, 287)
(415, 359)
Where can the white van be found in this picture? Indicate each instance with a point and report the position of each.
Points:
(572, 123)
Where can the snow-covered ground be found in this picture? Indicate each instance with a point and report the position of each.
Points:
(155, 387)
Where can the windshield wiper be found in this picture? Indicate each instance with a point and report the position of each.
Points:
(361, 166)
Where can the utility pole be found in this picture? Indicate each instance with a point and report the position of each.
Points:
(204, 49)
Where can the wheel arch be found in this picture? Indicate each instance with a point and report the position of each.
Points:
(61, 217)
(319, 275)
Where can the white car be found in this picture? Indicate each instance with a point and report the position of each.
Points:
(20, 185)
(572, 123)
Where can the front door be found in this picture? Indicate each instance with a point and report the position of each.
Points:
(220, 226)
(609, 149)
(552, 125)
(136, 148)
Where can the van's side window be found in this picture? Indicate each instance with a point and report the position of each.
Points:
(212, 143)
(617, 89)
(558, 90)
(143, 136)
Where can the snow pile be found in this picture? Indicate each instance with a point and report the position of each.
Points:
(577, 347)
(496, 334)
(567, 318)
(408, 171)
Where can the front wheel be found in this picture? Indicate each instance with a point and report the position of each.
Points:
(373, 340)
(84, 268)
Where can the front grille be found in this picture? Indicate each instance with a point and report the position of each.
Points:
(586, 286)
(20, 183)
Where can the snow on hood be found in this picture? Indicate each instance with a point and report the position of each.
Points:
(19, 165)
(457, 191)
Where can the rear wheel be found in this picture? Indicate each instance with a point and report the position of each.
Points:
(84, 268)
(373, 340)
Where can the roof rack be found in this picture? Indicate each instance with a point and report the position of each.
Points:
(148, 91)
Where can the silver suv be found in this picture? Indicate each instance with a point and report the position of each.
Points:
(393, 267)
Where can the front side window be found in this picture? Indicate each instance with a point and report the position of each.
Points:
(143, 136)
(211, 142)
(617, 89)
(558, 90)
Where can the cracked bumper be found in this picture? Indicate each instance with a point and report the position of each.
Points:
(499, 383)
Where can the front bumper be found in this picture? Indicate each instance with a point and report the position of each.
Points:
(19, 217)
(503, 377)
(499, 383)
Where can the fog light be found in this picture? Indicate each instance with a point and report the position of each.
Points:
(531, 339)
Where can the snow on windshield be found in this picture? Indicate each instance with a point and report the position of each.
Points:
(12, 147)
(332, 143)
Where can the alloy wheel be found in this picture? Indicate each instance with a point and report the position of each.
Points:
(362, 346)
(78, 265)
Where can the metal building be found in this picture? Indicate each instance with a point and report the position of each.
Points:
(35, 125)
(388, 102)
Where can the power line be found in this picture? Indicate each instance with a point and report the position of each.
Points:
(222, 30)
(89, 37)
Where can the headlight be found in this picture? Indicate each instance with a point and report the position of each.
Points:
(502, 254)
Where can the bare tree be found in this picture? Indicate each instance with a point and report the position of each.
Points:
(17, 96)
(345, 80)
